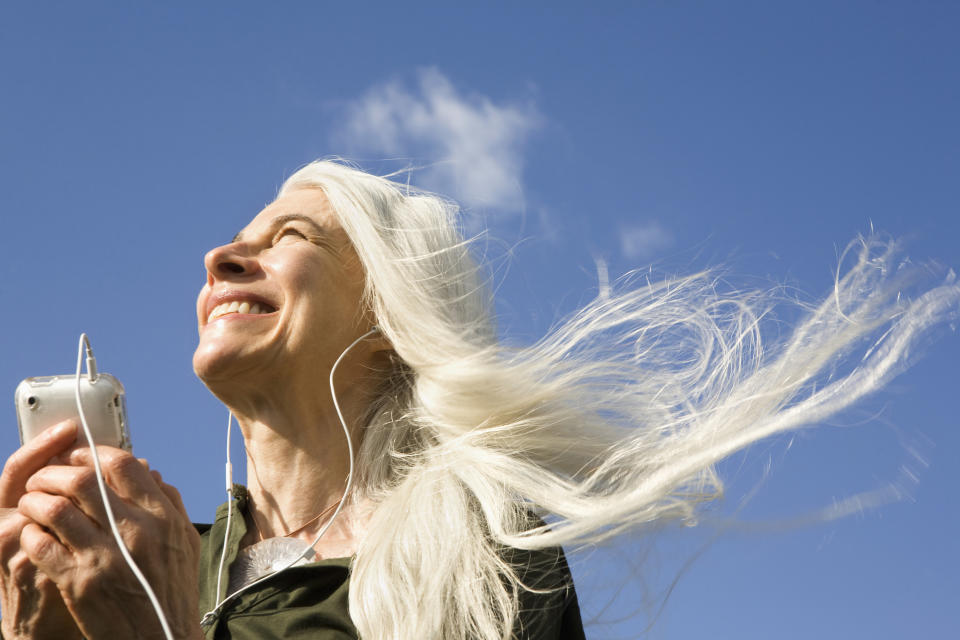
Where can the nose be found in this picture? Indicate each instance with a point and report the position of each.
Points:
(229, 261)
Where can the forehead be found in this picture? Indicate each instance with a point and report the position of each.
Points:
(304, 202)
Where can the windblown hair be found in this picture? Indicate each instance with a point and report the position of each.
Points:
(613, 422)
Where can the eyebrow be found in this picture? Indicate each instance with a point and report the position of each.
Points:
(279, 221)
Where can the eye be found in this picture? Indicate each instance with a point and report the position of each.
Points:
(288, 232)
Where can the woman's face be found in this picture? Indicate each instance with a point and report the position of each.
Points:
(284, 297)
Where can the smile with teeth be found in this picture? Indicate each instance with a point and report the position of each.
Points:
(238, 307)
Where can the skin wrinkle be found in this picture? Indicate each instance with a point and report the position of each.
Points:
(280, 221)
(272, 370)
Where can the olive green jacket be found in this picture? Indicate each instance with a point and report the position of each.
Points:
(311, 600)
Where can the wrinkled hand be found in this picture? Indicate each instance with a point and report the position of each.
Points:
(29, 600)
(68, 538)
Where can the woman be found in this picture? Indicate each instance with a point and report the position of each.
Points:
(611, 423)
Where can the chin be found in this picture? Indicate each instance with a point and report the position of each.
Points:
(212, 363)
(203, 367)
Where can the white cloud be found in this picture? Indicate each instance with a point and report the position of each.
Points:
(643, 241)
(475, 145)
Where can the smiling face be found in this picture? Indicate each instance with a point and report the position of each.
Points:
(284, 298)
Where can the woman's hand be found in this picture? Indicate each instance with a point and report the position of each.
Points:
(69, 540)
(29, 600)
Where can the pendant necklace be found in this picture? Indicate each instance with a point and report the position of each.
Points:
(269, 555)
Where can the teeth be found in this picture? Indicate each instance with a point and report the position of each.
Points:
(237, 307)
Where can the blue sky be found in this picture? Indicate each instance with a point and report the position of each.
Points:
(763, 136)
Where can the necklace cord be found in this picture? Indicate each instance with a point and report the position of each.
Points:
(289, 533)
(209, 617)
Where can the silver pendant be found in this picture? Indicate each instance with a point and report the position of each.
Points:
(264, 558)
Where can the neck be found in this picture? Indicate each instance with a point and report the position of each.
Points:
(297, 455)
(290, 480)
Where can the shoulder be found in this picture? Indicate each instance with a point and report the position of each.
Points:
(547, 608)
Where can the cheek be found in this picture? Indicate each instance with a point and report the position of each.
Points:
(328, 304)
(318, 290)
(306, 277)
(289, 265)
(304, 280)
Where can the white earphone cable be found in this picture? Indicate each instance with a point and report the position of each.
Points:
(229, 477)
(92, 375)
(309, 553)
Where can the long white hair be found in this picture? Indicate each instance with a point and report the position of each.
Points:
(612, 422)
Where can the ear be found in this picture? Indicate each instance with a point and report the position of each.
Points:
(377, 341)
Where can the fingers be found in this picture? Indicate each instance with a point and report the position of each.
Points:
(46, 552)
(78, 485)
(173, 495)
(32, 456)
(31, 602)
(23, 583)
(131, 486)
(125, 474)
(129, 478)
(171, 492)
(11, 524)
(62, 518)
